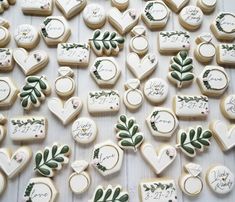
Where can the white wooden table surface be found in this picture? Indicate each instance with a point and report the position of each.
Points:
(134, 168)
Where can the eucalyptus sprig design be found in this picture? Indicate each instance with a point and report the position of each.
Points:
(158, 186)
(174, 33)
(35, 90)
(108, 42)
(110, 194)
(99, 94)
(128, 133)
(51, 159)
(32, 121)
(28, 192)
(181, 69)
(192, 99)
(195, 139)
(69, 46)
(229, 47)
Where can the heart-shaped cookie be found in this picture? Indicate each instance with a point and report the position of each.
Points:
(224, 135)
(159, 161)
(123, 22)
(65, 111)
(30, 62)
(13, 164)
(141, 68)
(70, 7)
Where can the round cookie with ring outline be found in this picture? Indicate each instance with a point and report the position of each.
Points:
(94, 16)
(191, 17)
(65, 84)
(84, 130)
(190, 182)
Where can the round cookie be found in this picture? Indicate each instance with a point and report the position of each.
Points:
(156, 90)
(220, 179)
(79, 182)
(94, 16)
(84, 130)
(191, 17)
(3, 183)
(227, 106)
(4, 36)
(26, 36)
(207, 6)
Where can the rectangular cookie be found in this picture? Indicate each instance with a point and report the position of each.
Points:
(225, 54)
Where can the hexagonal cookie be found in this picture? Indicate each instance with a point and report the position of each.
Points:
(223, 26)
(155, 14)
(107, 158)
(105, 71)
(40, 189)
(213, 81)
(54, 30)
(162, 122)
(8, 92)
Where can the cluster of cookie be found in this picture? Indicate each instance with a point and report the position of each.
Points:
(107, 157)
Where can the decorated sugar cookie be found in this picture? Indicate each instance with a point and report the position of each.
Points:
(5, 36)
(73, 54)
(84, 130)
(176, 5)
(160, 160)
(37, 7)
(223, 27)
(26, 36)
(5, 4)
(173, 41)
(191, 183)
(34, 91)
(133, 97)
(13, 164)
(103, 101)
(51, 159)
(155, 14)
(123, 22)
(128, 134)
(65, 111)
(105, 71)
(227, 106)
(94, 16)
(4, 22)
(107, 43)
(162, 188)
(79, 180)
(139, 43)
(120, 4)
(225, 54)
(28, 128)
(6, 59)
(110, 193)
(205, 50)
(191, 17)
(213, 81)
(141, 67)
(162, 122)
(220, 179)
(3, 183)
(207, 6)
(224, 135)
(107, 158)
(30, 62)
(8, 92)
(187, 106)
(54, 30)
(180, 72)
(65, 84)
(192, 140)
(40, 189)
(3, 130)
(156, 90)
(71, 8)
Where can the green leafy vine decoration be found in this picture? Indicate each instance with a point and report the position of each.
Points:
(32, 121)
(128, 133)
(194, 139)
(102, 93)
(178, 33)
(28, 191)
(192, 98)
(156, 186)
(73, 45)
